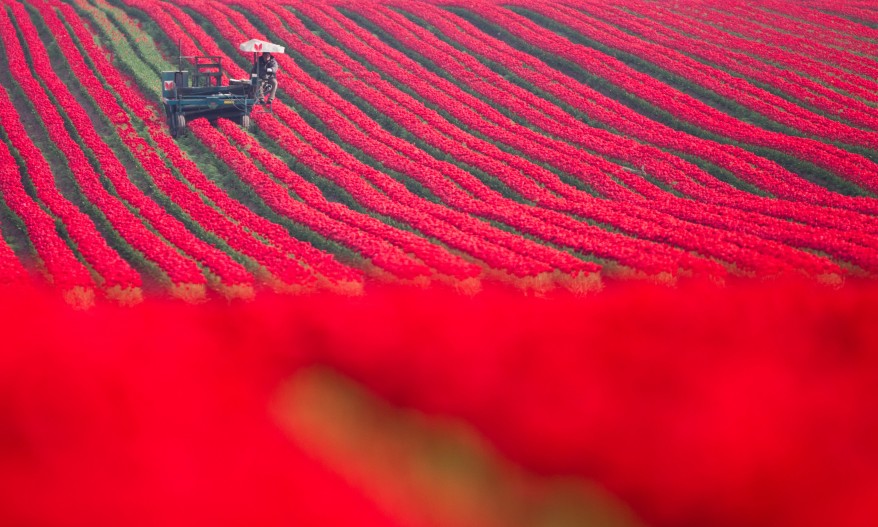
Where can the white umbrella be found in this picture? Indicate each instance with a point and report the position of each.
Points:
(260, 46)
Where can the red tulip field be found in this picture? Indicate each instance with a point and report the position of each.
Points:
(479, 263)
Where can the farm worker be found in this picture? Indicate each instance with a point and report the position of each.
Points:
(266, 68)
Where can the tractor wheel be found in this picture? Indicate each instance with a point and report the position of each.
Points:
(181, 124)
(245, 122)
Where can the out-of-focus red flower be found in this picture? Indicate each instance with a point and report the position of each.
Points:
(746, 405)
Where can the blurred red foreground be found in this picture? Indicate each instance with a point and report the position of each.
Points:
(746, 405)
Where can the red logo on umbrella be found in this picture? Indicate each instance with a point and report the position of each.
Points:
(257, 47)
(169, 85)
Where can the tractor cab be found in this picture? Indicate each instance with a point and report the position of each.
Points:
(188, 95)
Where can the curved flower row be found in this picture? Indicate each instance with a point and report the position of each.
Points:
(848, 165)
(647, 220)
(850, 252)
(380, 252)
(817, 16)
(11, 270)
(633, 217)
(122, 48)
(750, 23)
(744, 164)
(827, 74)
(221, 264)
(65, 271)
(180, 269)
(494, 256)
(485, 119)
(552, 120)
(828, 30)
(416, 206)
(733, 88)
(791, 83)
(638, 218)
(109, 266)
(536, 109)
(596, 240)
(465, 192)
(475, 114)
(856, 12)
(120, 23)
(412, 211)
(449, 131)
(387, 196)
(317, 260)
(129, 226)
(392, 259)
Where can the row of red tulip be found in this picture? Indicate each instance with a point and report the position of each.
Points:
(489, 236)
(860, 11)
(849, 251)
(808, 33)
(675, 60)
(231, 272)
(539, 146)
(851, 246)
(632, 217)
(234, 222)
(803, 89)
(61, 262)
(181, 26)
(537, 110)
(130, 226)
(393, 260)
(272, 257)
(682, 106)
(475, 114)
(463, 191)
(65, 271)
(491, 245)
(826, 74)
(11, 270)
(125, 222)
(380, 252)
(774, 31)
(436, 227)
(497, 248)
(744, 164)
(374, 246)
(646, 219)
(405, 209)
(826, 17)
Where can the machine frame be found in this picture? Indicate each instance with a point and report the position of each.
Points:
(202, 94)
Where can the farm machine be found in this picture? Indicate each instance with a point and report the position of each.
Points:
(187, 96)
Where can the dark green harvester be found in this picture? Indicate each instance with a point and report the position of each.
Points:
(188, 96)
